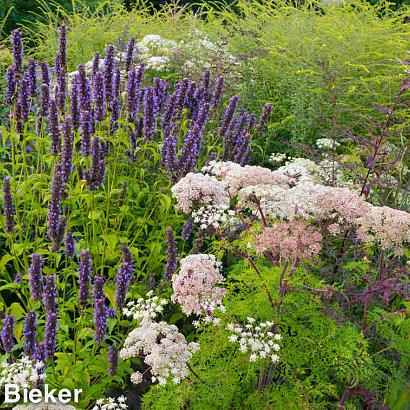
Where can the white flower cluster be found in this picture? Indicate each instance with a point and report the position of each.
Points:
(327, 143)
(24, 372)
(163, 348)
(236, 177)
(299, 171)
(145, 309)
(258, 340)
(278, 158)
(212, 216)
(198, 189)
(110, 403)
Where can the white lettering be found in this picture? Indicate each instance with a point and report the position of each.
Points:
(64, 396)
(13, 390)
(35, 396)
(49, 395)
(76, 394)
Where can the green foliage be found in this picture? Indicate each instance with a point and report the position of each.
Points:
(322, 67)
(320, 356)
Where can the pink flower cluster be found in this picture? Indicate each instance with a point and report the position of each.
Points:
(292, 241)
(342, 204)
(163, 348)
(236, 177)
(195, 286)
(290, 193)
(199, 189)
(385, 226)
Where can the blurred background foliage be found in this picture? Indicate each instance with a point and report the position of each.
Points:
(23, 12)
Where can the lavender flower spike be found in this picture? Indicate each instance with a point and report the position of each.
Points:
(84, 272)
(99, 96)
(50, 304)
(17, 46)
(109, 71)
(86, 130)
(124, 277)
(172, 254)
(67, 151)
(7, 333)
(95, 175)
(113, 360)
(35, 277)
(8, 206)
(30, 334)
(130, 54)
(11, 86)
(69, 245)
(54, 128)
(216, 95)
(227, 121)
(100, 311)
(266, 112)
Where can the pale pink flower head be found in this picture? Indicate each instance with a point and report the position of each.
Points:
(292, 241)
(198, 190)
(236, 177)
(343, 204)
(196, 285)
(387, 227)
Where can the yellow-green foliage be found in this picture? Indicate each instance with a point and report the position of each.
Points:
(321, 353)
(322, 66)
(111, 23)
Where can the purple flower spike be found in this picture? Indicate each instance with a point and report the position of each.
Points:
(95, 175)
(99, 96)
(169, 151)
(150, 112)
(8, 206)
(266, 112)
(227, 121)
(187, 229)
(17, 46)
(84, 89)
(132, 90)
(75, 103)
(113, 360)
(69, 245)
(130, 54)
(54, 128)
(216, 95)
(117, 84)
(96, 64)
(172, 254)
(84, 271)
(115, 115)
(7, 333)
(31, 77)
(124, 277)
(50, 304)
(36, 277)
(45, 74)
(11, 86)
(86, 130)
(100, 312)
(204, 93)
(30, 335)
(109, 71)
(67, 151)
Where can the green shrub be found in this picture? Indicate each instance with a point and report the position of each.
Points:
(321, 66)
